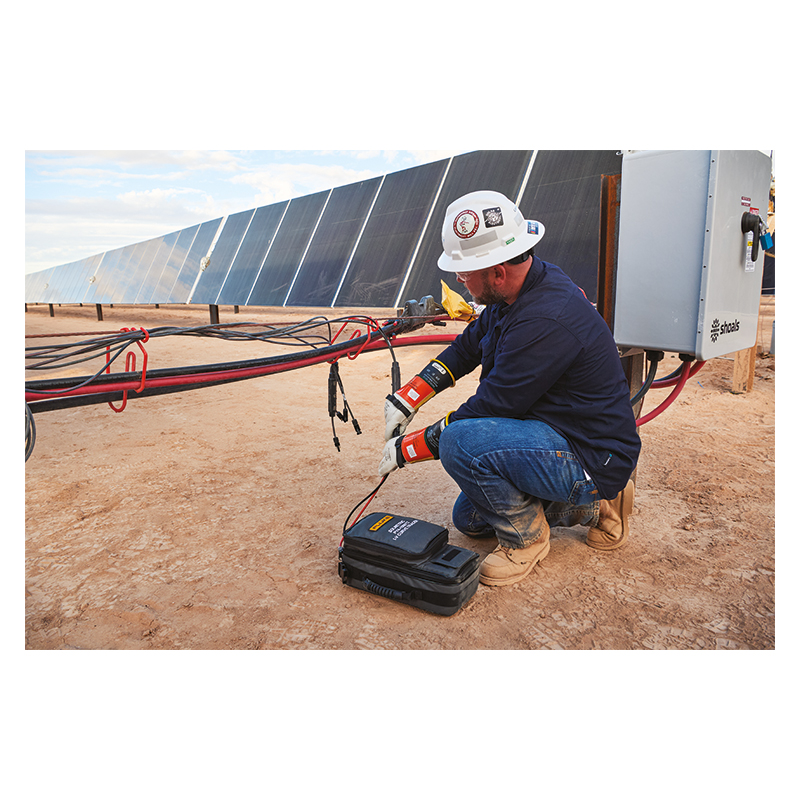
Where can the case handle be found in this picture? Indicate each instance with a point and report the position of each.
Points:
(385, 591)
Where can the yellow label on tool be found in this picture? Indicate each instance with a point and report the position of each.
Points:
(381, 522)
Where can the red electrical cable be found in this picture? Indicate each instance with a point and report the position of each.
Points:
(214, 377)
(367, 500)
(662, 383)
(682, 378)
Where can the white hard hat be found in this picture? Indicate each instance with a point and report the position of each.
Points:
(483, 229)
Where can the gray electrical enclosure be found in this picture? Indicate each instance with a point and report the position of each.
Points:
(686, 281)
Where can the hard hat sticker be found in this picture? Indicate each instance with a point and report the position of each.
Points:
(533, 227)
(465, 225)
(492, 217)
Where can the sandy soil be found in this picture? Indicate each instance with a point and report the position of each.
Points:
(211, 519)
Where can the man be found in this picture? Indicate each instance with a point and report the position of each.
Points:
(549, 437)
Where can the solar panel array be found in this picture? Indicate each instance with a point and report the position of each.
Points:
(371, 244)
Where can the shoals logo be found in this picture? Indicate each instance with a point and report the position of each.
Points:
(721, 328)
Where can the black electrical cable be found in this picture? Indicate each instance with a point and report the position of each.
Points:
(63, 385)
(54, 356)
(58, 356)
(30, 432)
(674, 374)
(91, 378)
(653, 356)
(66, 384)
(47, 360)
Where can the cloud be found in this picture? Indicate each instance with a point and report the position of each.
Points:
(155, 198)
(95, 169)
(124, 160)
(84, 202)
(427, 156)
(275, 182)
(66, 229)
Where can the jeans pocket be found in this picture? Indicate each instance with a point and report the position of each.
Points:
(583, 493)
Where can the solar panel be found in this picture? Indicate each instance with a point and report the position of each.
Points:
(390, 236)
(169, 273)
(495, 170)
(286, 253)
(85, 279)
(213, 276)
(62, 282)
(36, 285)
(373, 243)
(137, 271)
(254, 248)
(563, 192)
(332, 243)
(110, 273)
(190, 269)
(159, 261)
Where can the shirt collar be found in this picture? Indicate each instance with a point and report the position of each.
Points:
(535, 274)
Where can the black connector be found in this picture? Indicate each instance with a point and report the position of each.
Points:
(332, 376)
(346, 414)
(395, 376)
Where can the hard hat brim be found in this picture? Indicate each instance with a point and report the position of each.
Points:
(455, 262)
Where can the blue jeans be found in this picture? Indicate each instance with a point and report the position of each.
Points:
(513, 473)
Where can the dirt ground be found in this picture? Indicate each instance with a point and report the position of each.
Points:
(210, 519)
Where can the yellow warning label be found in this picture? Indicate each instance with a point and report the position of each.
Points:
(381, 522)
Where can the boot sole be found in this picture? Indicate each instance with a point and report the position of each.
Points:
(506, 581)
(627, 508)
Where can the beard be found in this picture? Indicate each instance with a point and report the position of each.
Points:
(486, 295)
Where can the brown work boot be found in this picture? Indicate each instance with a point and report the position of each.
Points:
(612, 529)
(505, 565)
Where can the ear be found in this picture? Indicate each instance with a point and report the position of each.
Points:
(499, 274)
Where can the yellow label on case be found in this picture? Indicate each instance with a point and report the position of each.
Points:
(381, 522)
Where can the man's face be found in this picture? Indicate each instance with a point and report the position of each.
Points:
(478, 286)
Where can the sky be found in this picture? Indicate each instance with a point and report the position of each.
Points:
(82, 202)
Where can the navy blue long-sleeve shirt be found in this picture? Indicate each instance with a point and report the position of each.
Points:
(550, 356)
